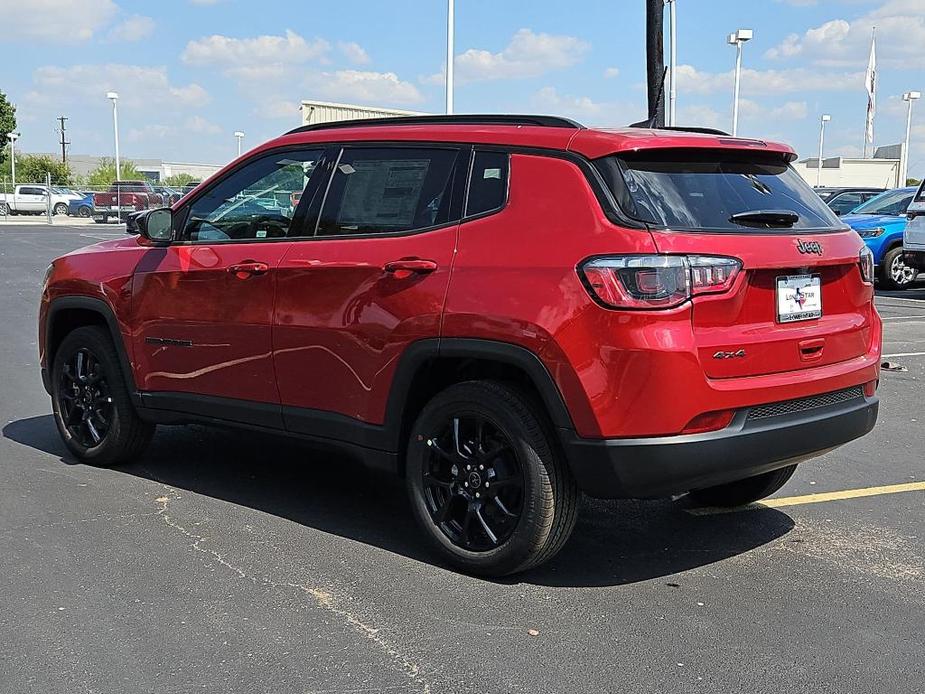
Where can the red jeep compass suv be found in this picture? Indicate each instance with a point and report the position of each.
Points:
(505, 310)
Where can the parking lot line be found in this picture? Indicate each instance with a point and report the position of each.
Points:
(821, 497)
(903, 354)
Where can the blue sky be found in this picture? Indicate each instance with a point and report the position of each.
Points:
(191, 72)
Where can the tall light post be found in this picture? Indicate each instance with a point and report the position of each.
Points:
(672, 60)
(738, 39)
(239, 136)
(822, 121)
(909, 97)
(114, 97)
(450, 40)
(13, 137)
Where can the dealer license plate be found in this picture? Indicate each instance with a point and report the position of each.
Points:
(799, 297)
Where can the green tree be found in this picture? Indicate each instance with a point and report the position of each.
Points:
(7, 125)
(178, 180)
(32, 169)
(105, 173)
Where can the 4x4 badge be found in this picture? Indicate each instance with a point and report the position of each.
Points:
(809, 247)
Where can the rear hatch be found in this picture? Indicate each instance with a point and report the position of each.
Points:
(799, 300)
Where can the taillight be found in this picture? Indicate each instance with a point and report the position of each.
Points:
(866, 261)
(656, 281)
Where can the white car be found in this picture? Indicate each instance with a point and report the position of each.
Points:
(914, 235)
(30, 198)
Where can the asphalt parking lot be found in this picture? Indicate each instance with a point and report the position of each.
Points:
(231, 562)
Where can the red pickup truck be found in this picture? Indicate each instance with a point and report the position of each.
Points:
(124, 198)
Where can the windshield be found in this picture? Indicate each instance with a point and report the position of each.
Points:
(704, 189)
(892, 202)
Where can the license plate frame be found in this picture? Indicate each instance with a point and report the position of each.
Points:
(798, 297)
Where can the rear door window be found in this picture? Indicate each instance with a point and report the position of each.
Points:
(389, 190)
(702, 190)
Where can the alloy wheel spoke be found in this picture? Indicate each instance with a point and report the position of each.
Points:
(466, 526)
(485, 527)
(94, 434)
(80, 366)
(433, 481)
(443, 512)
(501, 507)
(446, 455)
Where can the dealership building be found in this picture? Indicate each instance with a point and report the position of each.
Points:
(882, 171)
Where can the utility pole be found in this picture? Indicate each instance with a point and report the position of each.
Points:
(450, 50)
(64, 142)
(655, 61)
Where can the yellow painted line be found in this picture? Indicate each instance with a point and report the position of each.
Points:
(785, 501)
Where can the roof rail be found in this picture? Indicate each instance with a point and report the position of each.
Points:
(462, 119)
(682, 129)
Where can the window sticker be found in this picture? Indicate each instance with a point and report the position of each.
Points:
(492, 173)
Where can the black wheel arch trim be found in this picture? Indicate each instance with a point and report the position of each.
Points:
(102, 308)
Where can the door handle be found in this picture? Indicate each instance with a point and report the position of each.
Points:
(408, 266)
(248, 268)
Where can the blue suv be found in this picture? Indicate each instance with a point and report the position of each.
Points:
(881, 221)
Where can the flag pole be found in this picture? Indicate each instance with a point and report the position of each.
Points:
(870, 82)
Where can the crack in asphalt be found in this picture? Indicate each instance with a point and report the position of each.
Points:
(320, 597)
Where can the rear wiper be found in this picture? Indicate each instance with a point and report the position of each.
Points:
(765, 218)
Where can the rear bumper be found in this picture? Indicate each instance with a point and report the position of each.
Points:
(662, 466)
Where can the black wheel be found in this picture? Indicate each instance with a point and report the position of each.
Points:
(742, 492)
(487, 483)
(894, 273)
(60, 208)
(4, 209)
(93, 411)
(83, 211)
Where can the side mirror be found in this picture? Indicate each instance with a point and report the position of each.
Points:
(154, 225)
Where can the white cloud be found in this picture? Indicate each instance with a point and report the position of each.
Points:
(700, 115)
(278, 108)
(149, 132)
(198, 124)
(839, 42)
(585, 109)
(138, 86)
(527, 55)
(133, 28)
(233, 54)
(365, 87)
(611, 73)
(353, 52)
(693, 81)
(68, 21)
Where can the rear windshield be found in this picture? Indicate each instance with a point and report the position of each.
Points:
(703, 189)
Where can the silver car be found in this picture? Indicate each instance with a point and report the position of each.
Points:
(914, 235)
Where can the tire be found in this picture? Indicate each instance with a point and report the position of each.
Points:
(60, 209)
(502, 434)
(112, 433)
(742, 492)
(894, 273)
(4, 209)
(83, 211)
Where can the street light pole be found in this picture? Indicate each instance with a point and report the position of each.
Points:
(822, 121)
(737, 39)
(672, 60)
(114, 97)
(239, 135)
(450, 49)
(909, 97)
(13, 137)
